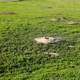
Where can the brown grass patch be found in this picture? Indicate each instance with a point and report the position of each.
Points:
(7, 13)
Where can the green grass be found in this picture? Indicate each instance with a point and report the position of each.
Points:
(21, 58)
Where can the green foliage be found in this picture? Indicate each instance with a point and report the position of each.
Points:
(21, 58)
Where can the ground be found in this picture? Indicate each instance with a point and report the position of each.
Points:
(21, 58)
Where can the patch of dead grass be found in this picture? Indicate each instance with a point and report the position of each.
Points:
(7, 13)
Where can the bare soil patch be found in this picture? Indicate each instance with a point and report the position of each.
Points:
(7, 13)
(73, 22)
(68, 21)
(58, 19)
(47, 40)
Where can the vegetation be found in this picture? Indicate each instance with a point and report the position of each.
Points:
(21, 58)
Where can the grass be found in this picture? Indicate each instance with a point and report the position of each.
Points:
(23, 59)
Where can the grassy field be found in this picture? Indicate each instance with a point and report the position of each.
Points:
(21, 58)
